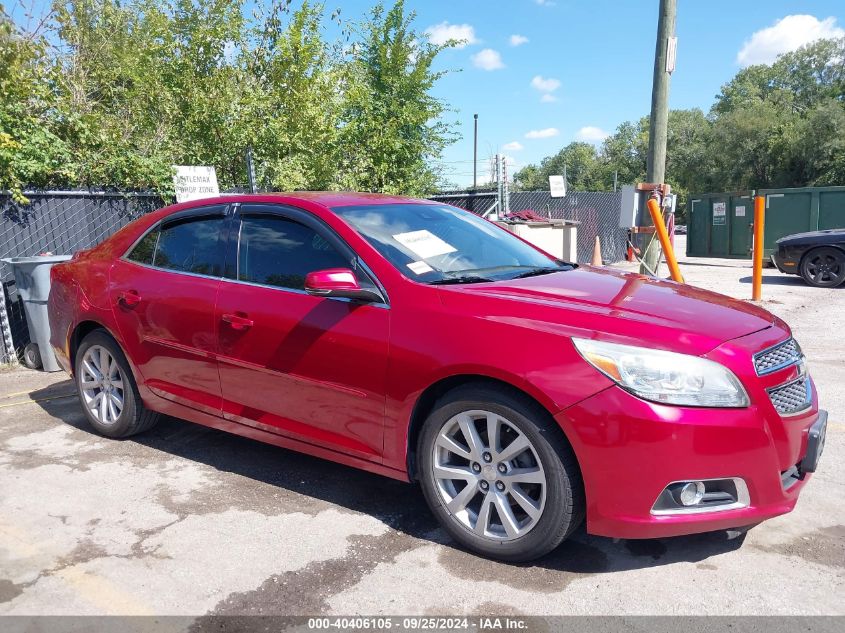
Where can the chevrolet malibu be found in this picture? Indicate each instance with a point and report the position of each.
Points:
(421, 342)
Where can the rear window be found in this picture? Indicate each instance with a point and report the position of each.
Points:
(145, 249)
(191, 245)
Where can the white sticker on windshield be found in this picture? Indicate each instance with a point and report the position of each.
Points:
(420, 268)
(424, 244)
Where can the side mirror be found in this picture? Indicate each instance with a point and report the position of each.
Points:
(339, 282)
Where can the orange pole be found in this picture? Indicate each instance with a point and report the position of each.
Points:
(759, 220)
(663, 236)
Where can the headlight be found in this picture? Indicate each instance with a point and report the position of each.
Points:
(665, 377)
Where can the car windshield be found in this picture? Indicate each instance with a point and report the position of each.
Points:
(439, 244)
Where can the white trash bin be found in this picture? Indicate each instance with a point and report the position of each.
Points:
(32, 279)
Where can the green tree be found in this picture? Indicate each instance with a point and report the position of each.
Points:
(583, 171)
(32, 152)
(392, 126)
(132, 87)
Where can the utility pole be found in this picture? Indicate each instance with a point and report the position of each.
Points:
(664, 64)
(475, 152)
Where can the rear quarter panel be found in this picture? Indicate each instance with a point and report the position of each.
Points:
(79, 289)
(62, 310)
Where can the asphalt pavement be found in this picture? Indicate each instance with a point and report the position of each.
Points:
(190, 521)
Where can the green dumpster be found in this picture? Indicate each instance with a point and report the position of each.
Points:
(801, 209)
(719, 224)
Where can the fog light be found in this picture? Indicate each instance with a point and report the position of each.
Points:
(692, 493)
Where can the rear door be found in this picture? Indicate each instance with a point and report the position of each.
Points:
(312, 368)
(163, 293)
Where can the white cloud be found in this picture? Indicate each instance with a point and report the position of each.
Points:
(441, 33)
(546, 3)
(545, 84)
(547, 98)
(488, 59)
(787, 34)
(591, 134)
(548, 132)
(518, 40)
(513, 146)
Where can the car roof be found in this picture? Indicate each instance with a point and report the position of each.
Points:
(328, 198)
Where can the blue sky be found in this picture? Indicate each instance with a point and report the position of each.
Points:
(581, 67)
(601, 52)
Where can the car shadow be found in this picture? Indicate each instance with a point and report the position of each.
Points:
(785, 280)
(399, 505)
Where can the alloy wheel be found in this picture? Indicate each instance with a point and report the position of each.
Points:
(825, 268)
(489, 476)
(101, 384)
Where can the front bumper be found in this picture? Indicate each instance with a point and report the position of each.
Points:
(785, 261)
(630, 450)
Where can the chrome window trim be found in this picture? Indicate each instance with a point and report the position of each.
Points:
(170, 270)
(771, 370)
(743, 499)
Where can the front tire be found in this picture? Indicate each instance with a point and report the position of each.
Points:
(823, 267)
(498, 474)
(107, 389)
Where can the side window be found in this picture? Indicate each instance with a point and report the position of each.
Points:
(275, 251)
(145, 249)
(191, 245)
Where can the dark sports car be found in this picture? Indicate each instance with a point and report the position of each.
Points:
(818, 256)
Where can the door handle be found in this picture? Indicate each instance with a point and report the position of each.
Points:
(130, 299)
(238, 322)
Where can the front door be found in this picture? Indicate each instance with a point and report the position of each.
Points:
(306, 367)
(163, 292)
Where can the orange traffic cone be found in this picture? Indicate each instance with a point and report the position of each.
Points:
(596, 261)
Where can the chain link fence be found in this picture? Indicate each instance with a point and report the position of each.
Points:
(63, 222)
(597, 213)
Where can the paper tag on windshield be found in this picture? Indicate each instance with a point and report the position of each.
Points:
(424, 244)
(420, 268)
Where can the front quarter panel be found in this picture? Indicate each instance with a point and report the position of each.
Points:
(430, 343)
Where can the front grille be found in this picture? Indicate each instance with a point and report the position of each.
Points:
(777, 357)
(792, 397)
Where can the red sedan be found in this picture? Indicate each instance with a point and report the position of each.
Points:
(418, 341)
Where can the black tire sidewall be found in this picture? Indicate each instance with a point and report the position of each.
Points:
(125, 421)
(560, 514)
(813, 253)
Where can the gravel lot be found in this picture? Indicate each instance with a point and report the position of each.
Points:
(187, 520)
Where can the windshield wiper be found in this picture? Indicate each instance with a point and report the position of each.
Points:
(539, 271)
(461, 279)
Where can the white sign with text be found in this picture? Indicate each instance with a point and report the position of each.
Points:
(194, 182)
(557, 186)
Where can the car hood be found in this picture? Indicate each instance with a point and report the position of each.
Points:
(811, 234)
(625, 306)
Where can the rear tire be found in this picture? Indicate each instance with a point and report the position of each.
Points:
(823, 267)
(107, 389)
(508, 503)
